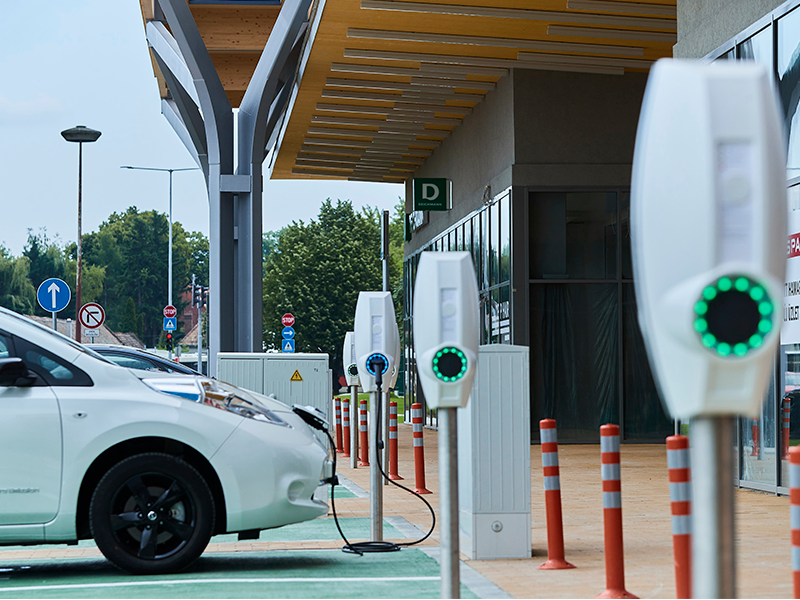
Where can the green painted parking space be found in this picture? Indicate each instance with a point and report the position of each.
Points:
(409, 573)
(323, 528)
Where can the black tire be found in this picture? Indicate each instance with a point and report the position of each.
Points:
(152, 513)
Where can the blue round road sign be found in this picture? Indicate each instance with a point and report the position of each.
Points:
(53, 295)
(288, 333)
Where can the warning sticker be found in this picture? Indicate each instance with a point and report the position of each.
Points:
(296, 376)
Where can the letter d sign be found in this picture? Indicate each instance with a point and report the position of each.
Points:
(431, 194)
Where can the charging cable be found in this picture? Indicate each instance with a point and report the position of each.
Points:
(378, 366)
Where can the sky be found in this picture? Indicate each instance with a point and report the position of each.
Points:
(86, 63)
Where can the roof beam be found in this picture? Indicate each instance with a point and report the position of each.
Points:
(519, 13)
(627, 7)
(613, 34)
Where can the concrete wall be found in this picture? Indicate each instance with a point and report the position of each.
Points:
(479, 152)
(537, 128)
(704, 25)
(575, 129)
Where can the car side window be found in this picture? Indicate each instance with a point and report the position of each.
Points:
(51, 368)
(131, 362)
(5, 346)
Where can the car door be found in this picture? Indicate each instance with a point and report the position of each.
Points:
(30, 449)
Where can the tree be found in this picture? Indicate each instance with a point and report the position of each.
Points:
(16, 290)
(316, 271)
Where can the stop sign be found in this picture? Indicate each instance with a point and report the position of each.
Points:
(170, 311)
(287, 320)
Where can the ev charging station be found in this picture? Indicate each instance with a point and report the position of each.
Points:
(376, 342)
(350, 360)
(708, 225)
(446, 338)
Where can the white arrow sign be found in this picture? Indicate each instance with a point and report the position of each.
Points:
(53, 291)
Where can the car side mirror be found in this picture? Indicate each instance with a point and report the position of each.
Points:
(13, 372)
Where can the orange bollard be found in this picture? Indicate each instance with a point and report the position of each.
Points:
(794, 515)
(346, 428)
(754, 432)
(393, 442)
(787, 422)
(680, 496)
(612, 514)
(337, 411)
(362, 418)
(552, 497)
(419, 450)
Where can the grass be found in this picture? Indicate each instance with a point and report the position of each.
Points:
(401, 403)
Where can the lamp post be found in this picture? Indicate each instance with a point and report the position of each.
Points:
(79, 134)
(169, 256)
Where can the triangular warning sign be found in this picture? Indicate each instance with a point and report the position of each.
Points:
(296, 376)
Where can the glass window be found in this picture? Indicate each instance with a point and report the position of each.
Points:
(5, 346)
(757, 443)
(54, 370)
(758, 48)
(625, 232)
(476, 247)
(485, 246)
(505, 238)
(573, 235)
(575, 357)
(468, 236)
(495, 315)
(789, 84)
(132, 362)
(505, 315)
(494, 244)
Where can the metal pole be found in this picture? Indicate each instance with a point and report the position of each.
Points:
(354, 427)
(384, 398)
(79, 266)
(55, 322)
(448, 502)
(375, 487)
(200, 334)
(169, 254)
(712, 459)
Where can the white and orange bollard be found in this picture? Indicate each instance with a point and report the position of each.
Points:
(612, 514)
(754, 433)
(794, 515)
(393, 474)
(787, 423)
(345, 428)
(419, 450)
(337, 412)
(552, 497)
(680, 497)
(362, 424)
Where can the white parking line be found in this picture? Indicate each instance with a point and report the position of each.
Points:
(29, 588)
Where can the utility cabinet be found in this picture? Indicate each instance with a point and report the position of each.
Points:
(494, 457)
(293, 378)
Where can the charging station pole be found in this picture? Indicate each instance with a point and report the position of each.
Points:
(713, 547)
(386, 391)
(375, 483)
(446, 338)
(354, 427)
(708, 237)
(448, 502)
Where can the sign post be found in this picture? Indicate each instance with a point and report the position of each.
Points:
(92, 316)
(53, 295)
(170, 314)
(287, 343)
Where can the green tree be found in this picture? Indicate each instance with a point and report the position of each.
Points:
(16, 291)
(316, 270)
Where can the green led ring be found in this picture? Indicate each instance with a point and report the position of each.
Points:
(440, 354)
(745, 285)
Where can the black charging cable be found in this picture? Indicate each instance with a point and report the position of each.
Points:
(374, 546)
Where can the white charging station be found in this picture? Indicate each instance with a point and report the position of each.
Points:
(708, 226)
(350, 364)
(376, 342)
(446, 338)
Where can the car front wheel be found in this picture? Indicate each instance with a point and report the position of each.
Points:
(152, 513)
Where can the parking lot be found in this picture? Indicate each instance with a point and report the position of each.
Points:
(305, 560)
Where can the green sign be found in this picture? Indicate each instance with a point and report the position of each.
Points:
(432, 194)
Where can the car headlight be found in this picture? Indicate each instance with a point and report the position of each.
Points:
(219, 395)
(215, 394)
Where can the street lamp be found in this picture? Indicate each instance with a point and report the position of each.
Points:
(79, 134)
(169, 259)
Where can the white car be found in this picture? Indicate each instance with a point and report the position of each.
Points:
(150, 465)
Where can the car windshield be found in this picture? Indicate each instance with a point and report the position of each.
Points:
(30, 323)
